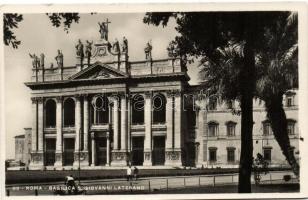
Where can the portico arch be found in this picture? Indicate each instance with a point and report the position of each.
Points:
(138, 109)
(50, 113)
(159, 108)
(69, 112)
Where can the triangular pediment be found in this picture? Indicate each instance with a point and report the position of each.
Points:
(98, 71)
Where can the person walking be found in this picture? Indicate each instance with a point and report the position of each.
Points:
(129, 173)
(136, 171)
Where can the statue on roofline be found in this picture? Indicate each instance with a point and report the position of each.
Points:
(89, 51)
(116, 46)
(79, 49)
(42, 60)
(125, 45)
(59, 59)
(148, 50)
(35, 61)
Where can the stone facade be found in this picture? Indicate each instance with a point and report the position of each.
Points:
(23, 147)
(111, 112)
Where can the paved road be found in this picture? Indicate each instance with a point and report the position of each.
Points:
(143, 185)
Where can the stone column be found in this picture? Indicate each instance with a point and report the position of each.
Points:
(148, 129)
(59, 142)
(119, 157)
(123, 124)
(93, 146)
(34, 125)
(108, 151)
(173, 157)
(169, 122)
(40, 125)
(128, 127)
(170, 128)
(84, 157)
(77, 129)
(37, 159)
(115, 123)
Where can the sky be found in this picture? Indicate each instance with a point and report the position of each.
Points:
(37, 35)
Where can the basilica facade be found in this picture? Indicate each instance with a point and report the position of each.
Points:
(106, 111)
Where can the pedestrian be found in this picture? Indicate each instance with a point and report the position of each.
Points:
(70, 184)
(129, 173)
(136, 171)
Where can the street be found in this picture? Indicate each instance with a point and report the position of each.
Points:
(144, 185)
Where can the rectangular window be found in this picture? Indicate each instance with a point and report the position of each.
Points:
(267, 154)
(290, 128)
(230, 129)
(289, 101)
(231, 154)
(212, 130)
(212, 154)
(267, 128)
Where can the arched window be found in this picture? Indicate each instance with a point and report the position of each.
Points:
(290, 126)
(212, 129)
(138, 109)
(69, 112)
(100, 110)
(50, 113)
(159, 109)
(267, 130)
(230, 128)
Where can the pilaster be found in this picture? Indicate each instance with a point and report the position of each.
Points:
(148, 129)
(77, 129)
(85, 151)
(123, 123)
(59, 142)
(40, 124)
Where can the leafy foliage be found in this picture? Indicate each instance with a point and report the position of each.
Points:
(10, 22)
(63, 18)
(230, 45)
(277, 61)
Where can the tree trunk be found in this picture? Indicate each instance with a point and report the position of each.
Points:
(247, 87)
(278, 120)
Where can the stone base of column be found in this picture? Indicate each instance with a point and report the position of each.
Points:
(84, 158)
(59, 161)
(37, 161)
(76, 160)
(119, 158)
(173, 157)
(147, 159)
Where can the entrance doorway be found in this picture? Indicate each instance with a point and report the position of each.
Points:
(158, 153)
(137, 150)
(69, 148)
(190, 154)
(101, 151)
(50, 152)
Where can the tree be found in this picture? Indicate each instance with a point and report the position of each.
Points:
(11, 21)
(277, 73)
(277, 65)
(204, 35)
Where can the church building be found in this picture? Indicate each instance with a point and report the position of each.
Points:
(106, 111)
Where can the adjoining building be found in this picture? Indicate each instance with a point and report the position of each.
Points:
(107, 111)
(23, 147)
